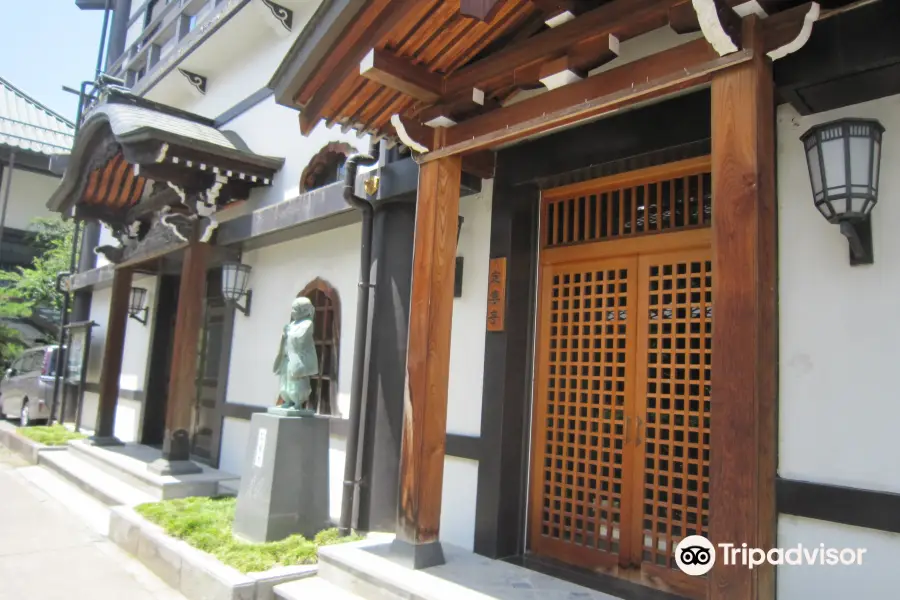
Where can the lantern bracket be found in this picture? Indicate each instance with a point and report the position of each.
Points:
(246, 306)
(859, 235)
(141, 320)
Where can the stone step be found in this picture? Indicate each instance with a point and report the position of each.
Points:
(129, 463)
(103, 486)
(313, 588)
(370, 570)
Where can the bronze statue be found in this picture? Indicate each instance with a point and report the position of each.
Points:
(297, 360)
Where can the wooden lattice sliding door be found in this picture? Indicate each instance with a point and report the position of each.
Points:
(620, 469)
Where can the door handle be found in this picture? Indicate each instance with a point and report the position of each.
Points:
(637, 436)
(627, 427)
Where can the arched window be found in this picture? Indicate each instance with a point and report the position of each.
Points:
(327, 166)
(327, 335)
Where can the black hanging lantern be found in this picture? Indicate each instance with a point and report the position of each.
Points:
(235, 277)
(137, 305)
(844, 159)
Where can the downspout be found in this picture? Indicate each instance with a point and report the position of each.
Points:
(351, 461)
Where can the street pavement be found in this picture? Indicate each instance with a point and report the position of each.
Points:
(53, 547)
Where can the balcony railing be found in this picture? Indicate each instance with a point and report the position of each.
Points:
(165, 36)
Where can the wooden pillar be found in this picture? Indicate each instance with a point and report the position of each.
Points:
(183, 373)
(111, 365)
(744, 369)
(428, 364)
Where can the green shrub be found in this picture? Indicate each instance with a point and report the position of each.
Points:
(52, 435)
(205, 523)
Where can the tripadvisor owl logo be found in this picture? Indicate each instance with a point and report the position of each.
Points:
(695, 555)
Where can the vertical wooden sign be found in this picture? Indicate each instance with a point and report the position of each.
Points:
(496, 310)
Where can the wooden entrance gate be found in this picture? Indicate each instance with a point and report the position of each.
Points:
(620, 466)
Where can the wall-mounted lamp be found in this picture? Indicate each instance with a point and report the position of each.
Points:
(844, 160)
(234, 285)
(137, 305)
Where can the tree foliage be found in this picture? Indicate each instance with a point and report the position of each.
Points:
(28, 289)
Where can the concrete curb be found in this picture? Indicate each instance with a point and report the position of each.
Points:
(196, 574)
(21, 445)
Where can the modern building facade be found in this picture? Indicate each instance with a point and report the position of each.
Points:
(641, 329)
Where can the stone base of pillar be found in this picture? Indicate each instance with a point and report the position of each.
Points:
(103, 440)
(417, 556)
(164, 466)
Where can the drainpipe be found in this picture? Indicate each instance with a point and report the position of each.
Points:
(351, 474)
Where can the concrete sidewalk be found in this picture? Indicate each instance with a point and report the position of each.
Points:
(52, 543)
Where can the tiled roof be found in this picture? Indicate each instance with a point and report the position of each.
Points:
(27, 124)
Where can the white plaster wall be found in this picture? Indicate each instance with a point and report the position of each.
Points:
(337, 453)
(273, 130)
(134, 360)
(235, 433)
(458, 502)
(280, 272)
(27, 197)
(876, 577)
(839, 326)
(469, 316)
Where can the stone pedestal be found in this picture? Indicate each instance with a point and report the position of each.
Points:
(284, 486)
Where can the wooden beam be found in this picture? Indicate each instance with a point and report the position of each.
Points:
(113, 350)
(483, 10)
(459, 107)
(720, 25)
(744, 371)
(428, 364)
(621, 18)
(683, 18)
(560, 72)
(401, 75)
(679, 68)
(182, 394)
(364, 34)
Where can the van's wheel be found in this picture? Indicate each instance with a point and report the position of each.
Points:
(24, 415)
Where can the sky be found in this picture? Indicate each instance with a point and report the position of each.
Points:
(46, 44)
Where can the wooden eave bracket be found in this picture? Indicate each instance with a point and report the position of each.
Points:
(812, 15)
(721, 26)
(401, 75)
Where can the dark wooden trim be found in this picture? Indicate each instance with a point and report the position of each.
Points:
(836, 504)
(744, 331)
(595, 580)
(242, 107)
(136, 395)
(506, 392)
(463, 446)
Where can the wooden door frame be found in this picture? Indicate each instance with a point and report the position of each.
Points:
(633, 248)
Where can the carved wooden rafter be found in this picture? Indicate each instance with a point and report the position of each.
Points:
(721, 26)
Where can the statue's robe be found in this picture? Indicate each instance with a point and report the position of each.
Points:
(297, 360)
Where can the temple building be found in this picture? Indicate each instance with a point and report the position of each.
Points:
(626, 270)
